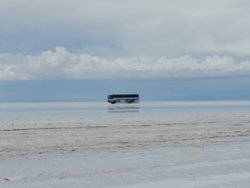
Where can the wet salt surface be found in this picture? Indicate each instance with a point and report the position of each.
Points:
(201, 144)
(57, 108)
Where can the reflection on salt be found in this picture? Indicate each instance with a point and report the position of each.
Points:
(122, 108)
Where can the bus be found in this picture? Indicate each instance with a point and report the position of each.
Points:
(123, 98)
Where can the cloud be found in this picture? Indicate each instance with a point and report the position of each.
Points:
(63, 64)
(128, 28)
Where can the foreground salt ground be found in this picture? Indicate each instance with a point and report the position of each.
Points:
(126, 150)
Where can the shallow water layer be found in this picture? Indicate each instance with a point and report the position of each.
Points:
(55, 108)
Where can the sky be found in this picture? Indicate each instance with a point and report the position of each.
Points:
(70, 50)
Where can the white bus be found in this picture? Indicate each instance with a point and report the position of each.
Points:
(123, 98)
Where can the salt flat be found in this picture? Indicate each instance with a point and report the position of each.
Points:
(173, 149)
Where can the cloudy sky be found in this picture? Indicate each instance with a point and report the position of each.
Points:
(153, 41)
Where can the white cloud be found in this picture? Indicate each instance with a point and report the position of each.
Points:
(62, 64)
